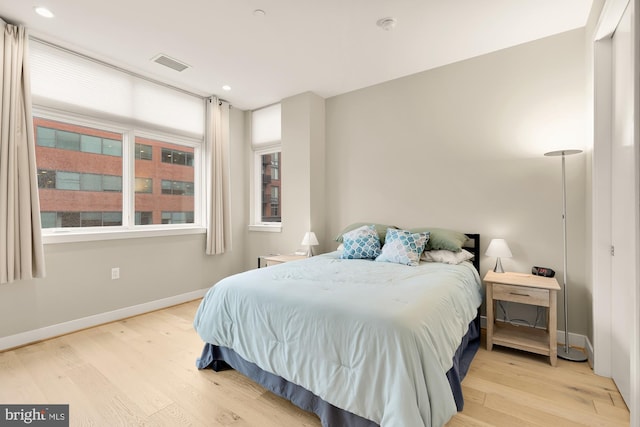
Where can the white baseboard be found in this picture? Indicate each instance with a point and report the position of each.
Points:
(36, 335)
(576, 340)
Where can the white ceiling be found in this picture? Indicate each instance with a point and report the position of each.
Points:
(324, 46)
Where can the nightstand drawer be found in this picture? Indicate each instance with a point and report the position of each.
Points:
(270, 260)
(521, 294)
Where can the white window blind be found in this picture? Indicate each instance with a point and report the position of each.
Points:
(266, 126)
(61, 79)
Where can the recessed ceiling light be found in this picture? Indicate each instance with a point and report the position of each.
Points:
(43, 11)
(387, 23)
(259, 12)
(226, 87)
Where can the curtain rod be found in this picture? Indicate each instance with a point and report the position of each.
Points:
(115, 67)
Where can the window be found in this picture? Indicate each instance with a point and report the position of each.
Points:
(73, 141)
(177, 188)
(177, 157)
(143, 152)
(177, 217)
(65, 180)
(270, 206)
(144, 218)
(70, 219)
(144, 185)
(267, 194)
(82, 185)
(46, 178)
(106, 160)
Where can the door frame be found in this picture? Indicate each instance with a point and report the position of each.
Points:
(601, 198)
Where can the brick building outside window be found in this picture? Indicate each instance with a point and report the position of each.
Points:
(80, 177)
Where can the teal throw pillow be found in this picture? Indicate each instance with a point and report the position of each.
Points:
(403, 247)
(361, 243)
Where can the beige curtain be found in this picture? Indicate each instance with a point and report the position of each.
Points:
(218, 206)
(21, 252)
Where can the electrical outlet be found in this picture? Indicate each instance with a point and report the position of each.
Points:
(115, 273)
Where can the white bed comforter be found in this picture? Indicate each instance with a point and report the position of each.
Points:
(373, 338)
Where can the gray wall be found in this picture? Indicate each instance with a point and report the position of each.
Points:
(78, 282)
(462, 147)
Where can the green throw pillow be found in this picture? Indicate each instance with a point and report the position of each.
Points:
(441, 238)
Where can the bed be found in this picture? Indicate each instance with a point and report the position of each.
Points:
(358, 342)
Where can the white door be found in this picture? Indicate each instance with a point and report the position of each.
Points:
(623, 204)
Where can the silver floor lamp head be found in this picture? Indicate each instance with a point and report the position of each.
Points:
(566, 352)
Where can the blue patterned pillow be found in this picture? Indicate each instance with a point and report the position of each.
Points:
(361, 243)
(403, 247)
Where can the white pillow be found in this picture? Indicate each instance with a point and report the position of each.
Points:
(446, 257)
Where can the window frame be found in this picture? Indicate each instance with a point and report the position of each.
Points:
(256, 218)
(129, 229)
(266, 138)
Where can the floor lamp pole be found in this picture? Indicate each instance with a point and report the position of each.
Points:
(566, 352)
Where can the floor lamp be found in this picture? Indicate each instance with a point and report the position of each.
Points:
(566, 352)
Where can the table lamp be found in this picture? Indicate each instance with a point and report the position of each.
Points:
(498, 248)
(309, 240)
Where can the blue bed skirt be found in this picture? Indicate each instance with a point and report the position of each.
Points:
(221, 358)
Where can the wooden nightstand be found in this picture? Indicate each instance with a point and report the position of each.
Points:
(525, 289)
(270, 260)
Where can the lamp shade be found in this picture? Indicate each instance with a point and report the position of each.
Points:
(310, 239)
(498, 248)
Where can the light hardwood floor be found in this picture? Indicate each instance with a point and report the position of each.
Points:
(141, 371)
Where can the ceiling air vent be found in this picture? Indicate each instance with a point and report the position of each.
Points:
(167, 61)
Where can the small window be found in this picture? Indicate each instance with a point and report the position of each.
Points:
(112, 147)
(112, 183)
(144, 218)
(266, 133)
(177, 157)
(46, 137)
(68, 140)
(67, 180)
(69, 219)
(91, 219)
(143, 152)
(48, 219)
(111, 219)
(91, 182)
(177, 217)
(270, 200)
(90, 144)
(177, 188)
(144, 185)
(46, 178)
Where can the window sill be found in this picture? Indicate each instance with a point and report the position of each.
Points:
(270, 228)
(70, 236)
